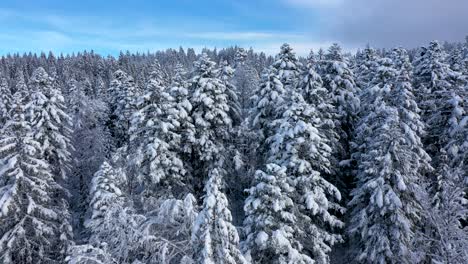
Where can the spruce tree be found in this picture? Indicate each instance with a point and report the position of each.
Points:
(287, 65)
(50, 122)
(338, 79)
(384, 204)
(311, 87)
(215, 238)
(210, 114)
(270, 221)
(34, 214)
(268, 101)
(5, 101)
(299, 145)
(156, 139)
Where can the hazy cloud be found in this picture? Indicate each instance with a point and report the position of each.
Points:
(388, 23)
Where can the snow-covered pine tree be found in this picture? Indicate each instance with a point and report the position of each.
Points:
(366, 67)
(157, 74)
(446, 239)
(214, 236)
(384, 205)
(166, 235)
(401, 97)
(155, 139)
(226, 73)
(455, 60)
(298, 144)
(179, 76)
(444, 89)
(125, 108)
(122, 101)
(210, 114)
(5, 101)
(268, 101)
(112, 220)
(182, 109)
(34, 214)
(21, 87)
(431, 75)
(246, 80)
(338, 79)
(270, 222)
(51, 124)
(310, 85)
(287, 66)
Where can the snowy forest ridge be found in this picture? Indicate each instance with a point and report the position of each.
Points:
(232, 156)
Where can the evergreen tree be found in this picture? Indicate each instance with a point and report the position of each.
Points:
(34, 215)
(112, 220)
(210, 114)
(50, 122)
(91, 145)
(366, 66)
(268, 100)
(270, 221)
(215, 238)
(448, 238)
(311, 87)
(226, 75)
(155, 137)
(5, 101)
(298, 145)
(123, 93)
(287, 66)
(384, 204)
(338, 79)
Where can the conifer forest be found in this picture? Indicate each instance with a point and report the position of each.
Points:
(232, 156)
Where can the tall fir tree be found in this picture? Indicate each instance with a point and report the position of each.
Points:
(50, 122)
(338, 79)
(210, 114)
(287, 66)
(215, 238)
(310, 85)
(270, 221)
(34, 213)
(385, 208)
(155, 139)
(5, 100)
(300, 146)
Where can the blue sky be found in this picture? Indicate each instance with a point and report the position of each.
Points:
(143, 25)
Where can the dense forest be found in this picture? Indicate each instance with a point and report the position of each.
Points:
(232, 156)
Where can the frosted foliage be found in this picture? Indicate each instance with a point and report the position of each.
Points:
(50, 122)
(33, 214)
(270, 221)
(210, 112)
(448, 239)
(214, 237)
(384, 204)
(5, 100)
(311, 87)
(299, 146)
(267, 103)
(155, 137)
(287, 65)
(110, 221)
(166, 232)
(88, 254)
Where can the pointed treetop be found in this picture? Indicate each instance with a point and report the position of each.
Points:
(204, 66)
(334, 53)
